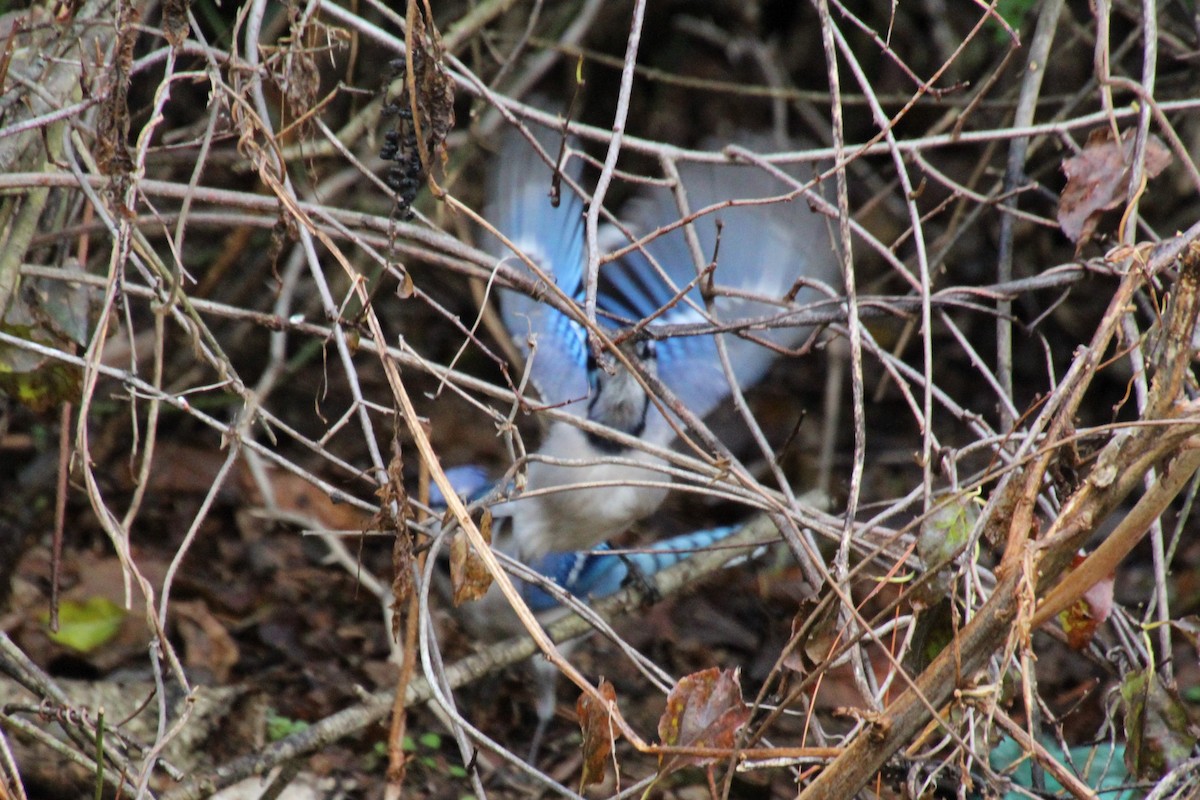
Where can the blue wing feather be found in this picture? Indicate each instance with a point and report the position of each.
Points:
(631, 289)
(470, 481)
(764, 250)
(518, 204)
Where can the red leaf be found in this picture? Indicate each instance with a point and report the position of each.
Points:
(705, 709)
(1081, 619)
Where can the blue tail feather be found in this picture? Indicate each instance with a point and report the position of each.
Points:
(598, 573)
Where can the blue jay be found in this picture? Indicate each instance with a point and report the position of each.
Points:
(766, 251)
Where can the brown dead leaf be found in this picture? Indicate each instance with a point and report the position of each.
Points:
(394, 512)
(179, 469)
(300, 79)
(705, 709)
(207, 642)
(1098, 179)
(402, 579)
(295, 495)
(598, 733)
(818, 636)
(112, 122)
(1189, 629)
(468, 574)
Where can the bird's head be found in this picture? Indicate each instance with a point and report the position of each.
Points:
(616, 398)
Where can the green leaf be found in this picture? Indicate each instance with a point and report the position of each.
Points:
(948, 529)
(34, 380)
(86, 626)
(1014, 13)
(1157, 728)
(281, 727)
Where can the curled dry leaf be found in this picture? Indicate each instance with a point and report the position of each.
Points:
(815, 629)
(1189, 628)
(1098, 179)
(1081, 619)
(402, 580)
(596, 723)
(705, 709)
(112, 122)
(468, 574)
(299, 77)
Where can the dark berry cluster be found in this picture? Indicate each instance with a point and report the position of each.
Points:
(405, 176)
(422, 114)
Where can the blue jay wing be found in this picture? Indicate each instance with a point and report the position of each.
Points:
(518, 205)
(631, 288)
(764, 250)
(596, 574)
(470, 481)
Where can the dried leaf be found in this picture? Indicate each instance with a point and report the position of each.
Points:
(175, 22)
(207, 642)
(1189, 628)
(1081, 619)
(1158, 731)
(405, 289)
(402, 578)
(469, 576)
(818, 636)
(393, 515)
(1098, 179)
(298, 496)
(298, 76)
(705, 709)
(598, 733)
(112, 123)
